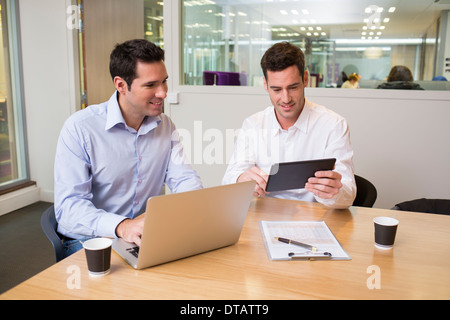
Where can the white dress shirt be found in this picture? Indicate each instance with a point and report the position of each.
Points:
(318, 133)
(105, 171)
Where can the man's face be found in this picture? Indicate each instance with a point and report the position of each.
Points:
(286, 90)
(147, 92)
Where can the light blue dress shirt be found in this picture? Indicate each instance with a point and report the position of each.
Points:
(105, 171)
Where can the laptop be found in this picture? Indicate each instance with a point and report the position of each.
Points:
(184, 224)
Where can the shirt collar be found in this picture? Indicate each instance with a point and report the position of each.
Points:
(114, 117)
(301, 123)
(113, 113)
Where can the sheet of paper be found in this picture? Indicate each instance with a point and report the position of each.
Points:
(315, 233)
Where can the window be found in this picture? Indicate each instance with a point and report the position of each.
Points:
(153, 19)
(338, 38)
(13, 157)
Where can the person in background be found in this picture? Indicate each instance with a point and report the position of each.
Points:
(352, 82)
(293, 129)
(400, 77)
(112, 157)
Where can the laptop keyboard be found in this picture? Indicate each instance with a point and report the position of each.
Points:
(134, 251)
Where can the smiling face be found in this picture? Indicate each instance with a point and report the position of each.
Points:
(286, 90)
(146, 94)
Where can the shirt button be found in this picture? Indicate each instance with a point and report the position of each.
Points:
(140, 158)
(139, 181)
(136, 202)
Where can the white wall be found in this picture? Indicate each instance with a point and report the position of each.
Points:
(47, 83)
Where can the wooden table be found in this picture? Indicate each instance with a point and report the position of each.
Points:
(418, 267)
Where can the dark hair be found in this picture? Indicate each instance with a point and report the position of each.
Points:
(400, 73)
(125, 56)
(281, 56)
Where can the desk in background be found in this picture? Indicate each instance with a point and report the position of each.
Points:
(417, 268)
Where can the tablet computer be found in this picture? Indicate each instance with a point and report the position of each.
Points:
(294, 175)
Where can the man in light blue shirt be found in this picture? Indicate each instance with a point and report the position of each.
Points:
(113, 156)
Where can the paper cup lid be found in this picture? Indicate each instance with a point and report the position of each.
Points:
(97, 243)
(386, 221)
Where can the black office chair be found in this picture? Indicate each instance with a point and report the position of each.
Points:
(366, 193)
(438, 206)
(49, 226)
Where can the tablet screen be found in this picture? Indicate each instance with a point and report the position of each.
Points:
(294, 175)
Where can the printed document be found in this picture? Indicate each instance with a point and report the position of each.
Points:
(314, 233)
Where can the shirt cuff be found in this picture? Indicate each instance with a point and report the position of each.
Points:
(108, 223)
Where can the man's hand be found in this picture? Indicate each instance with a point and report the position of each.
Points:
(257, 175)
(324, 184)
(131, 230)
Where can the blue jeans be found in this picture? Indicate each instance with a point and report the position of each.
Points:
(71, 246)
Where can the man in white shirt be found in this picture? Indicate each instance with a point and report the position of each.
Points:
(293, 129)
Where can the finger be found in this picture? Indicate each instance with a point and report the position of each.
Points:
(328, 174)
(326, 182)
(260, 192)
(137, 240)
(322, 191)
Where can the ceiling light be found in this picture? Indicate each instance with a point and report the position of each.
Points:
(305, 12)
(391, 9)
(283, 12)
(295, 12)
(386, 20)
(380, 9)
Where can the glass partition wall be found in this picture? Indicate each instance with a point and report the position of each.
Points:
(338, 38)
(13, 157)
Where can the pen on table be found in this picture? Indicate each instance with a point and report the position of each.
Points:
(297, 243)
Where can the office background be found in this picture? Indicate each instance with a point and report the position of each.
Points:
(399, 137)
